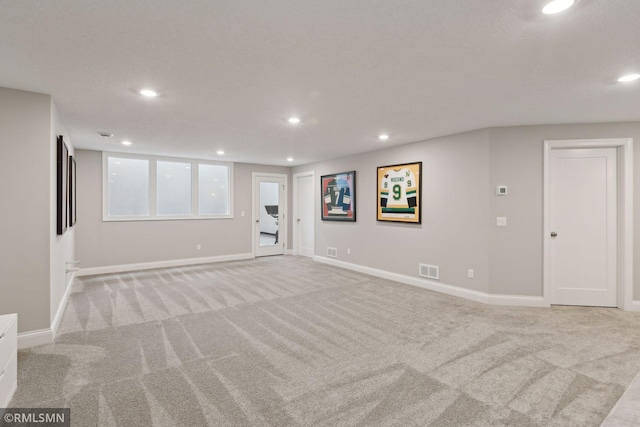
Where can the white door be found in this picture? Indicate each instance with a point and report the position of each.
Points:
(269, 215)
(304, 218)
(583, 224)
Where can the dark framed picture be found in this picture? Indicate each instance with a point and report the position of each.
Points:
(399, 196)
(73, 209)
(62, 175)
(339, 196)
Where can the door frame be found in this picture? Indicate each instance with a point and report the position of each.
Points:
(284, 221)
(296, 176)
(624, 148)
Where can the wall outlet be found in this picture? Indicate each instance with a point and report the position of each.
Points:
(501, 221)
(198, 247)
(470, 273)
(242, 213)
(348, 251)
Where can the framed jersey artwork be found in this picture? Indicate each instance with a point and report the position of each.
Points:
(400, 193)
(339, 196)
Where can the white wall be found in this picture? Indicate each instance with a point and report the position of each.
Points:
(32, 257)
(460, 207)
(62, 247)
(517, 161)
(100, 244)
(454, 233)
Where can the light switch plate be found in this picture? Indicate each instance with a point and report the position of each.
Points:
(501, 221)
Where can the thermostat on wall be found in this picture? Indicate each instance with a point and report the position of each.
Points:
(501, 190)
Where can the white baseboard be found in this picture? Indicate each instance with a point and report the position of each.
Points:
(34, 338)
(517, 300)
(46, 336)
(456, 291)
(160, 264)
(288, 252)
(635, 306)
(63, 304)
(13, 390)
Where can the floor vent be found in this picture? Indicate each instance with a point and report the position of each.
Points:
(332, 252)
(430, 271)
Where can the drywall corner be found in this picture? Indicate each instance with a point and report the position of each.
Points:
(25, 129)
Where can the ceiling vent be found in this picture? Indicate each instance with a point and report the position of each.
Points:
(105, 134)
(332, 252)
(429, 271)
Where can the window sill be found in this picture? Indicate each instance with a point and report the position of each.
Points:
(168, 218)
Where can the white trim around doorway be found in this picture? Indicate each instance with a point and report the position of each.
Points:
(625, 213)
(296, 249)
(285, 218)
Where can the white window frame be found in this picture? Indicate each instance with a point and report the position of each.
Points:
(153, 188)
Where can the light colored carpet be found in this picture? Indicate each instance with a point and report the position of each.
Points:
(626, 413)
(285, 341)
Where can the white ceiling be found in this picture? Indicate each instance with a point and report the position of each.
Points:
(231, 72)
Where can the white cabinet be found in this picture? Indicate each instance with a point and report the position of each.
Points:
(8, 357)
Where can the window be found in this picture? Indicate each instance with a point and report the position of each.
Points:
(128, 187)
(156, 188)
(213, 190)
(174, 188)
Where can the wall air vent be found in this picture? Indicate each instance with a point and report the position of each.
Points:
(332, 252)
(429, 271)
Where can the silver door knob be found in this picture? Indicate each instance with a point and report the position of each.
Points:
(554, 234)
(257, 221)
(298, 219)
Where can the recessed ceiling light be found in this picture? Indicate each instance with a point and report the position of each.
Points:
(105, 134)
(629, 78)
(383, 137)
(289, 159)
(557, 6)
(149, 93)
(220, 152)
(294, 120)
(187, 167)
(126, 143)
